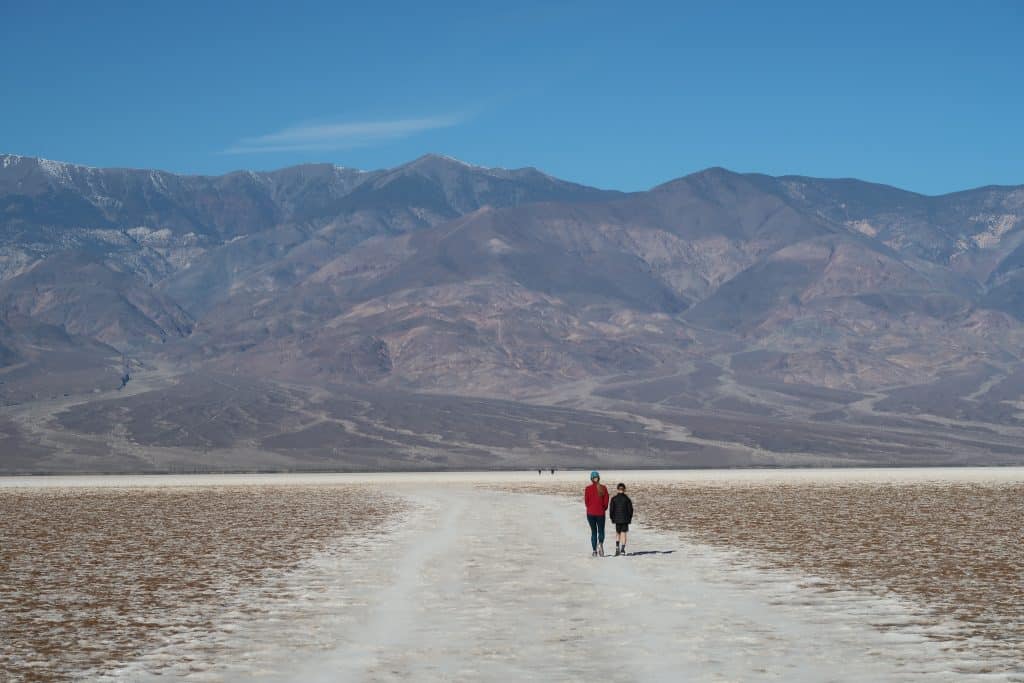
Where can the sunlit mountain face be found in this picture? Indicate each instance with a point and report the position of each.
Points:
(717, 318)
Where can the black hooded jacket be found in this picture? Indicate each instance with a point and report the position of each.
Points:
(621, 509)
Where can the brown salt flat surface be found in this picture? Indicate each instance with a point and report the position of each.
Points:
(951, 541)
(472, 577)
(91, 576)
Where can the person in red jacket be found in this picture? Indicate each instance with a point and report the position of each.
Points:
(595, 497)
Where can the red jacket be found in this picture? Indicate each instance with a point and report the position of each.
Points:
(596, 499)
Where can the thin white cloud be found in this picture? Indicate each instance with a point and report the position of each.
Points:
(330, 136)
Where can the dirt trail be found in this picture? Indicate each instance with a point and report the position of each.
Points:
(475, 581)
(483, 585)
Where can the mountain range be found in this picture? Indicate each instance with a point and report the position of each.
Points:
(440, 314)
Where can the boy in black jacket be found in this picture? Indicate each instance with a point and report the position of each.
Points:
(621, 511)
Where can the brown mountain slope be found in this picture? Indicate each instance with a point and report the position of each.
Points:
(720, 303)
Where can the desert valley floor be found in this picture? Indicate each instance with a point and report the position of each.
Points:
(797, 575)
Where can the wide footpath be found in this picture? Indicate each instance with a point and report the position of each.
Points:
(486, 585)
(478, 580)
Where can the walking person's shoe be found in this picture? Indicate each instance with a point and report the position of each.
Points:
(594, 554)
(617, 551)
(623, 551)
(600, 550)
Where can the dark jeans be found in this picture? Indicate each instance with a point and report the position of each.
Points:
(596, 529)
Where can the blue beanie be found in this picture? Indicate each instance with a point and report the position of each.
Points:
(595, 473)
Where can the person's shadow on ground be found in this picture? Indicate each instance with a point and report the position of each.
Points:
(650, 552)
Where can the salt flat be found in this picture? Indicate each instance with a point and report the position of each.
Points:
(478, 581)
(499, 587)
(795, 475)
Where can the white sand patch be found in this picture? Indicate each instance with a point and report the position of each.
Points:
(997, 225)
(864, 227)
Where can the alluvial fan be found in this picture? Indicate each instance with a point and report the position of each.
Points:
(91, 578)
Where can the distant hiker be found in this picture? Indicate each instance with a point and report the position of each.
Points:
(538, 473)
(595, 497)
(621, 512)
(552, 471)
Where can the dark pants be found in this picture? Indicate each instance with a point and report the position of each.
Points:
(596, 529)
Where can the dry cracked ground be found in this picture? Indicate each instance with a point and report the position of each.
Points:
(773, 575)
(90, 578)
(954, 548)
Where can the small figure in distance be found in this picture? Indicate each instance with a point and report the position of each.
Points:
(595, 498)
(621, 511)
(538, 473)
(552, 471)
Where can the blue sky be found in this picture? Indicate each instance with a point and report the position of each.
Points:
(925, 96)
